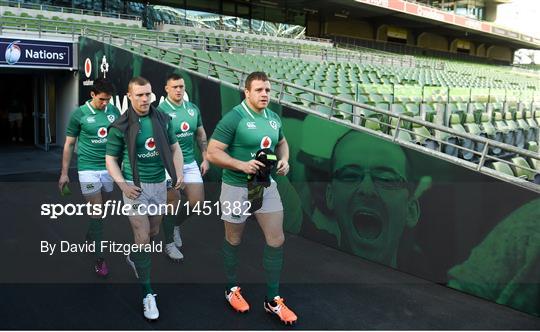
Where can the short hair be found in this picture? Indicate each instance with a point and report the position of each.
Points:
(138, 80)
(174, 77)
(102, 85)
(256, 75)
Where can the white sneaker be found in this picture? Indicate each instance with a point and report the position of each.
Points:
(172, 251)
(132, 264)
(150, 309)
(176, 237)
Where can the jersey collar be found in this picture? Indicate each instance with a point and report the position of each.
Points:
(173, 106)
(92, 109)
(250, 112)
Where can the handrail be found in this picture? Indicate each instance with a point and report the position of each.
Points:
(261, 45)
(225, 44)
(355, 115)
(325, 99)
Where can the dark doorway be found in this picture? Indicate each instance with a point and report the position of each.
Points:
(17, 109)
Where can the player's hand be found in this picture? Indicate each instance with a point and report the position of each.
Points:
(179, 182)
(252, 166)
(205, 166)
(282, 167)
(131, 191)
(64, 179)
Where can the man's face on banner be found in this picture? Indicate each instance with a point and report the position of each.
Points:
(369, 197)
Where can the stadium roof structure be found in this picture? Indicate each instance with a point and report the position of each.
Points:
(403, 13)
(211, 20)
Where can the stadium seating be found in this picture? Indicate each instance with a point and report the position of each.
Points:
(496, 102)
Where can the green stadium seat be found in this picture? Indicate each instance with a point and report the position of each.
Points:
(491, 132)
(502, 167)
(519, 134)
(324, 109)
(412, 108)
(455, 123)
(500, 125)
(362, 99)
(370, 119)
(424, 137)
(307, 99)
(522, 171)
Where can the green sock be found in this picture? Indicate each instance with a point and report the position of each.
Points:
(143, 264)
(272, 263)
(168, 228)
(95, 234)
(230, 262)
(179, 219)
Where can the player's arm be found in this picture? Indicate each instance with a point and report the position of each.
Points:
(113, 168)
(111, 162)
(217, 155)
(202, 142)
(178, 160)
(282, 152)
(66, 160)
(73, 130)
(113, 152)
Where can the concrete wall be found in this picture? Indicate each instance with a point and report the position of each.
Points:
(67, 99)
(454, 43)
(499, 53)
(432, 41)
(490, 11)
(382, 34)
(348, 28)
(481, 50)
(313, 26)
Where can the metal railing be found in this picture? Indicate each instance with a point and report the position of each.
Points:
(396, 127)
(385, 124)
(386, 46)
(67, 10)
(209, 42)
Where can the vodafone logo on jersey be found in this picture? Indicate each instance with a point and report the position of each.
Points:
(184, 126)
(266, 142)
(150, 144)
(102, 132)
(87, 67)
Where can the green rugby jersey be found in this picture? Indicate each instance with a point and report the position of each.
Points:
(90, 126)
(246, 132)
(185, 119)
(151, 168)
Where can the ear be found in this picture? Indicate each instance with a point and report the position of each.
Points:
(413, 208)
(423, 185)
(413, 212)
(329, 197)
